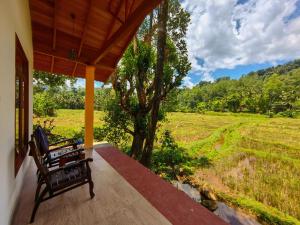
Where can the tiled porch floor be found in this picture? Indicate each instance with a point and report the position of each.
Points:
(116, 202)
(126, 194)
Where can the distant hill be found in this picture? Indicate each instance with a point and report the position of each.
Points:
(269, 91)
(280, 69)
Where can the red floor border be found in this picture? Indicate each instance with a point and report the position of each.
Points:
(175, 205)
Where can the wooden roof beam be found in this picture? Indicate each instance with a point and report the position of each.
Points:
(102, 66)
(115, 15)
(131, 24)
(83, 36)
(112, 24)
(52, 64)
(126, 10)
(54, 25)
(131, 6)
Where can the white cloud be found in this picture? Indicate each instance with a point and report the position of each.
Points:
(187, 82)
(80, 83)
(108, 85)
(225, 34)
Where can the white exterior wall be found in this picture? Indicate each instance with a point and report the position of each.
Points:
(14, 19)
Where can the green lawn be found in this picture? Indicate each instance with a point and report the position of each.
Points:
(68, 122)
(253, 157)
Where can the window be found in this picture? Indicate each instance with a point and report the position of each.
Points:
(21, 106)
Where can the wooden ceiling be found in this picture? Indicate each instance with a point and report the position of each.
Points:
(70, 34)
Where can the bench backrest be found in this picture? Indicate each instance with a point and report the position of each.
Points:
(38, 158)
(41, 139)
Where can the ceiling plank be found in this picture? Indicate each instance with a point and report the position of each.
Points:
(57, 56)
(54, 24)
(112, 24)
(131, 6)
(83, 36)
(102, 66)
(117, 17)
(131, 24)
(113, 14)
(74, 69)
(126, 9)
(52, 64)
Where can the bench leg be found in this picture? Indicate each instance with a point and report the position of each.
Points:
(91, 186)
(37, 192)
(37, 203)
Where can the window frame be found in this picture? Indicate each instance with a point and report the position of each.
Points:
(21, 105)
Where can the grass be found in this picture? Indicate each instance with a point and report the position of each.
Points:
(255, 157)
(68, 122)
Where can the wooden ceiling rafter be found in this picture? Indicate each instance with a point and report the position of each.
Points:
(131, 6)
(52, 64)
(74, 69)
(112, 24)
(58, 57)
(54, 24)
(131, 24)
(83, 36)
(126, 10)
(115, 14)
(105, 67)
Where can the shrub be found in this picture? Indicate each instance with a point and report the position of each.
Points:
(99, 134)
(170, 160)
(201, 107)
(43, 105)
(288, 113)
(48, 126)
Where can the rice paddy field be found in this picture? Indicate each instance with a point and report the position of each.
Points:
(254, 160)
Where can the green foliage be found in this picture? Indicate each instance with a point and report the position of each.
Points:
(117, 122)
(69, 98)
(50, 81)
(260, 92)
(102, 96)
(50, 92)
(48, 126)
(43, 105)
(99, 134)
(288, 113)
(170, 161)
(233, 102)
(141, 85)
(201, 107)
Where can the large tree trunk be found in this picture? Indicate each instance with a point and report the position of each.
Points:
(161, 45)
(138, 137)
(137, 145)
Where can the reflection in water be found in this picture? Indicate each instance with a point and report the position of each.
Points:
(228, 214)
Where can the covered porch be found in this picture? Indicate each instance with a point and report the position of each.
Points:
(126, 193)
(84, 39)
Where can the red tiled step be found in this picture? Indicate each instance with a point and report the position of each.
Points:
(175, 205)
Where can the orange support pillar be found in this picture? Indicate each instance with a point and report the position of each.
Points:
(89, 107)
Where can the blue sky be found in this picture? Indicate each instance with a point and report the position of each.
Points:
(234, 73)
(235, 37)
(240, 70)
(81, 83)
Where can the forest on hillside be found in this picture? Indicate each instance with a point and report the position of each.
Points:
(269, 91)
(275, 90)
